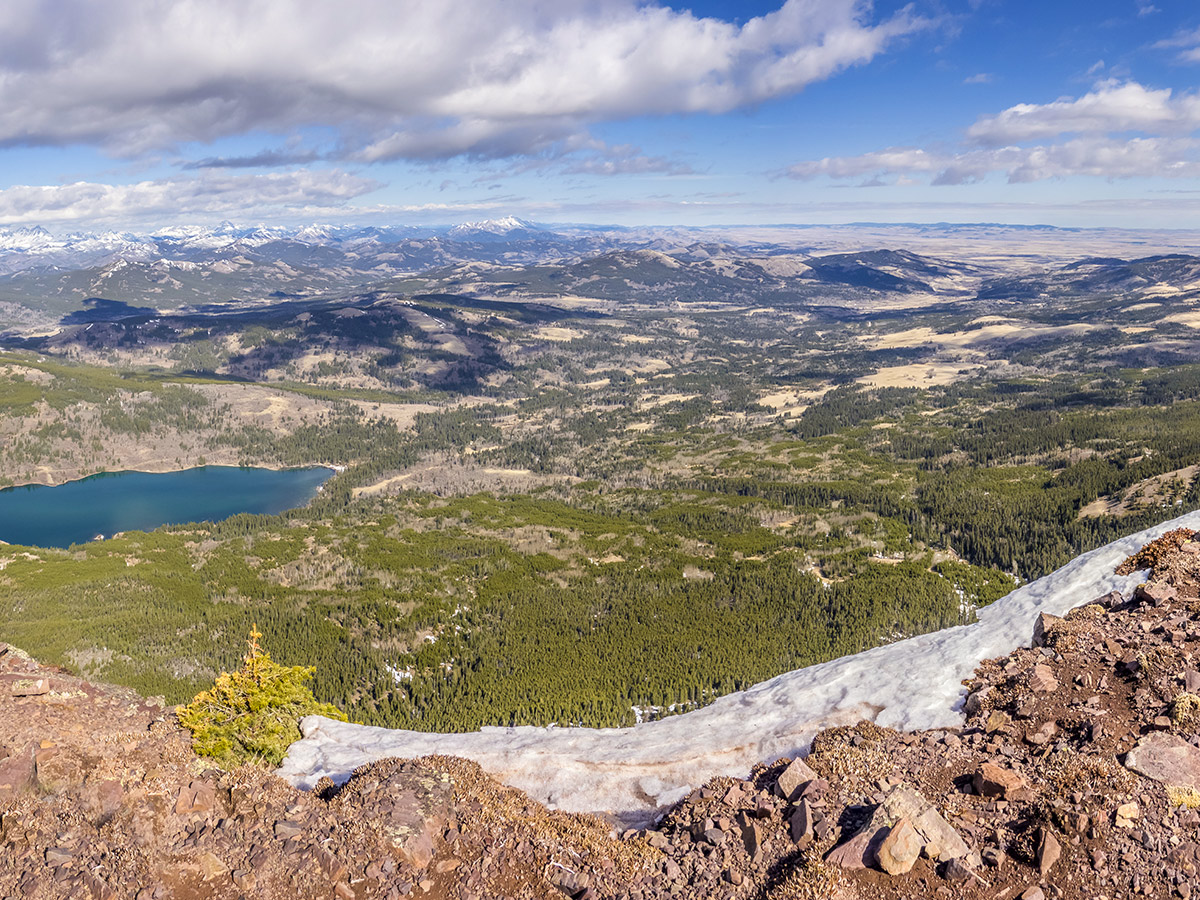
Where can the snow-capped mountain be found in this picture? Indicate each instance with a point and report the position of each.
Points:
(508, 226)
(27, 237)
(34, 247)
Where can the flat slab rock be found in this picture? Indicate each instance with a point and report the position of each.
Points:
(1168, 758)
(902, 803)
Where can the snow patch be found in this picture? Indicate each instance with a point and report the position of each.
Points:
(630, 772)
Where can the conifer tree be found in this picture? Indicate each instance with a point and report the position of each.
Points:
(253, 715)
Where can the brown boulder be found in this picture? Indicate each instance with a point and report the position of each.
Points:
(801, 824)
(993, 781)
(939, 837)
(30, 687)
(899, 851)
(198, 797)
(1155, 593)
(58, 769)
(410, 802)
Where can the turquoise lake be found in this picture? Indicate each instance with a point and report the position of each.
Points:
(104, 504)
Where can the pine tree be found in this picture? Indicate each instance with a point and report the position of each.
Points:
(253, 715)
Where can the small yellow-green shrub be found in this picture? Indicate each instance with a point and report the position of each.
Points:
(253, 715)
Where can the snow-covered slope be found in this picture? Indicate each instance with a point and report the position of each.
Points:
(493, 227)
(912, 684)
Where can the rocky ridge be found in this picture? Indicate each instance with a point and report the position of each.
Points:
(1076, 774)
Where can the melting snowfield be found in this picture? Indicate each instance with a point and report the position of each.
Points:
(630, 772)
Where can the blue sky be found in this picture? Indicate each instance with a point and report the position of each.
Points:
(133, 114)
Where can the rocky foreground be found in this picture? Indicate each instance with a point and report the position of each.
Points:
(1075, 775)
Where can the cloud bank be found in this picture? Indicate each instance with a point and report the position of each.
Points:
(185, 198)
(1117, 130)
(401, 78)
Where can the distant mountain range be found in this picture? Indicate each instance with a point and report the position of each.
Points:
(44, 277)
(34, 247)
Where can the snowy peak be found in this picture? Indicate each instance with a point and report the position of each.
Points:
(504, 227)
(27, 237)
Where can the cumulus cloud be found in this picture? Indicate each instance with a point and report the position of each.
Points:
(1111, 107)
(1089, 135)
(277, 192)
(402, 78)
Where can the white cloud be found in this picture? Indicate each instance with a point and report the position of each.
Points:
(889, 161)
(1096, 156)
(979, 78)
(1014, 143)
(1186, 42)
(273, 193)
(1110, 107)
(401, 78)
(586, 155)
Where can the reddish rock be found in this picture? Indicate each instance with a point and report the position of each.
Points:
(198, 797)
(1043, 735)
(801, 824)
(413, 803)
(1127, 815)
(860, 851)
(1041, 626)
(1166, 758)
(17, 772)
(993, 781)
(1155, 593)
(1042, 680)
(58, 769)
(1048, 852)
(794, 777)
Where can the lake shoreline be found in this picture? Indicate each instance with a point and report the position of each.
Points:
(104, 504)
(167, 469)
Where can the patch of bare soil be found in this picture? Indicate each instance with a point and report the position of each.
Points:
(270, 408)
(1155, 491)
(452, 477)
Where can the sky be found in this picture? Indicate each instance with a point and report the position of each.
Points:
(136, 114)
